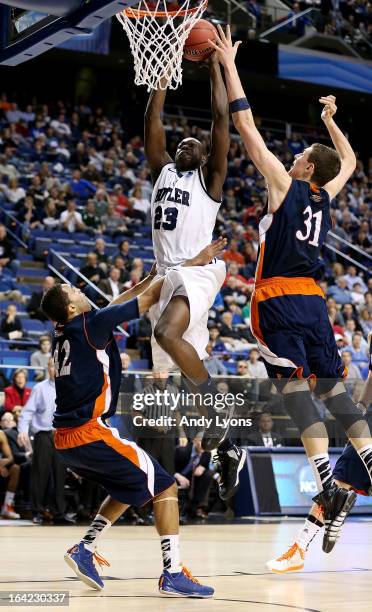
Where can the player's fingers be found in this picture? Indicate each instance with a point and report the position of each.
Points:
(228, 33)
(214, 45)
(221, 34)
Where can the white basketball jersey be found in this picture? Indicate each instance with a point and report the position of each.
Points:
(183, 216)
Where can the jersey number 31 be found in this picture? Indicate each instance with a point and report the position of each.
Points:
(309, 217)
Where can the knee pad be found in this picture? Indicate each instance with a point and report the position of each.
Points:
(345, 411)
(302, 410)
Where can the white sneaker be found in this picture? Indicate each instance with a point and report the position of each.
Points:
(7, 512)
(293, 560)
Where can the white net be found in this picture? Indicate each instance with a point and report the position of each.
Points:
(156, 37)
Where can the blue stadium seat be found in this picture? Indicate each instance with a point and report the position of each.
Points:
(230, 366)
(9, 354)
(34, 327)
(32, 272)
(140, 364)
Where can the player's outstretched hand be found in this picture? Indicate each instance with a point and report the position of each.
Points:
(329, 109)
(215, 249)
(225, 50)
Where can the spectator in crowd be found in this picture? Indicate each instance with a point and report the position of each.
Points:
(233, 254)
(46, 465)
(119, 263)
(9, 472)
(71, 220)
(112, 286)
(91, 221)
(12, 192)
(340, 292)
(351, 278)
(7, 257)
(256, 367)
(265, 435)
(192, 465)
(358, 350)
(140, 206)
(215, 339)
(112, 223)
(8, 288)
(39, 359)
(11, 324)
(50, 219)
(353, 372)
(102, 255)
(81, 188)
(33, 307)
(124, 252)
(17, 394)
(242, 369)
(213, 364)
(29, 215)
(91, 270)
(21, 454)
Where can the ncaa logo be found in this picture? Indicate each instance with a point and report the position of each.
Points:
(315, 198)
(307, 484)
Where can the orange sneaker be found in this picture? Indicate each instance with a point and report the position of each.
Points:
(293, 560)
(7, 512)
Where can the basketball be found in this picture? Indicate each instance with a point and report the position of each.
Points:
(197, 47)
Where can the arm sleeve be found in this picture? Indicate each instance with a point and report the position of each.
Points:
(100, 326)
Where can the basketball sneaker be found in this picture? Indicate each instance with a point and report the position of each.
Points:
(82, 561)
(183, 584)
(7, 512)
(336, 504)
(232, 461)
(292, 561)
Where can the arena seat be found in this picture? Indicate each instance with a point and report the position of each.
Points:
(34, 327)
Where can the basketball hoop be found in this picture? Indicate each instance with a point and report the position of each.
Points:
(157, 37)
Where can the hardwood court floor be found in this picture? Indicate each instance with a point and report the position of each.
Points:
(228, 557)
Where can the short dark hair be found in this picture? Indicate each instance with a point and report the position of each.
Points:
(54, 304)
(327, 163)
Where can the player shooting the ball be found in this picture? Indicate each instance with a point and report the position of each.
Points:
(185, 201)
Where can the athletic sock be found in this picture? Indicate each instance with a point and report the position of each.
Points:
(170, 549)
(365, 453)
(308, 532)
(9, 499)
(321, 470)
(97, 528)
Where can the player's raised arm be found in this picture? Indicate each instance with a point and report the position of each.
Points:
(269, 166)
(341, 144)
(155, 140)
(216, 167)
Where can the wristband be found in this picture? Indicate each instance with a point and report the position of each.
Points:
(239, 104)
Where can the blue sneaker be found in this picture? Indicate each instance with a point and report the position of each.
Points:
(81, 560)
(183, 584)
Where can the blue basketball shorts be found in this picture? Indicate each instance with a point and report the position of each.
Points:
(289, 320)
(96, 451)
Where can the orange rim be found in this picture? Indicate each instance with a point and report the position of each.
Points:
(137, 14)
